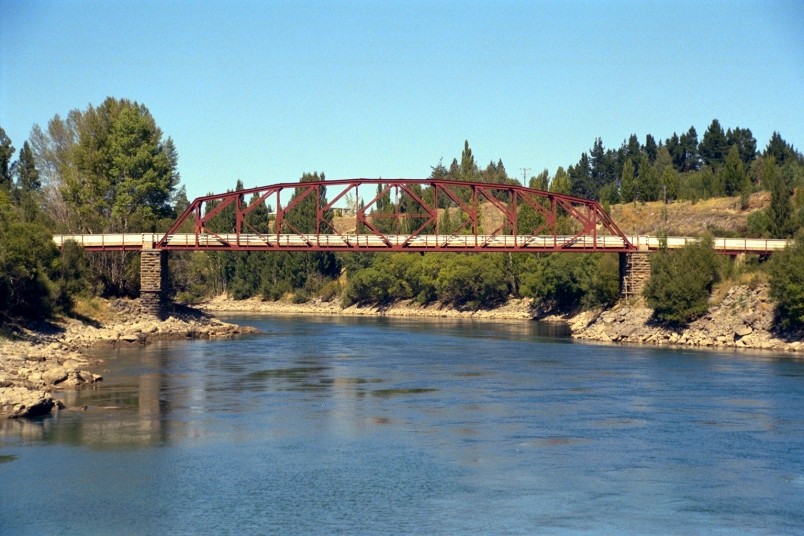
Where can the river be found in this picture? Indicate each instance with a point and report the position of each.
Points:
(393, 426)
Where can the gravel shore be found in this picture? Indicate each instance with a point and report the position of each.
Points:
(38, 362)
(742, 319)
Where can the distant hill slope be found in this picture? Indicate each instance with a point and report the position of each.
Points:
(720, 216)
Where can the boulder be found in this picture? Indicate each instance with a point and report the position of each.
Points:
(743, 330)
(54, 376)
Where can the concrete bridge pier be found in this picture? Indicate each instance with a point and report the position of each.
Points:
(153, 281)
(634, 274)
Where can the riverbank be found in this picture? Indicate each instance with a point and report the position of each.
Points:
(515, 309)
(39, 361)
(743, 318)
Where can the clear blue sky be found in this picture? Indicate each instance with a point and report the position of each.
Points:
(263, 91)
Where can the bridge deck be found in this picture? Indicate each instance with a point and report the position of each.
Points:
(420, 243)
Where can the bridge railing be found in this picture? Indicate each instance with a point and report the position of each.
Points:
(413, 243)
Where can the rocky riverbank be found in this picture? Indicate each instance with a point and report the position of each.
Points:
(517, 309)
(743, 319)
(37, 362)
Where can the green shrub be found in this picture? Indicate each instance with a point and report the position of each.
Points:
(567, 282)
(787, 284)
(681, 282)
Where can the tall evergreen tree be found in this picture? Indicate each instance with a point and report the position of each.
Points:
(690, 159)
(469, 170)
(581, 178)
(25, 170)
(745, 142)
(733, 172)
(780, 211)
(6, 154)
(651, 149)
(628, 184)
(781, 151)
(648, 180)
(713, 148)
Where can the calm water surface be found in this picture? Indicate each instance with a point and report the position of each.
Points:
(377, 426)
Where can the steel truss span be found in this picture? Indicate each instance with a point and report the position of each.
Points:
(395, 215)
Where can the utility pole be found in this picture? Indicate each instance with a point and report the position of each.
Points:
(525, 171)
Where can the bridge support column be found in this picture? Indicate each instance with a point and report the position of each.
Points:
(153, 278)
(634, 274)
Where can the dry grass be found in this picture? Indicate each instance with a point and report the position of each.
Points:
(93, 308)
(685, 218)
(680, 218)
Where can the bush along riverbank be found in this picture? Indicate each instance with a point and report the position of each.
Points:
(744, 318)
(37, 362)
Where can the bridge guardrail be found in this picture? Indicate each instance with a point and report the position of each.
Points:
(132, 242)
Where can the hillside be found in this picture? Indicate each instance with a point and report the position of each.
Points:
(720, 216)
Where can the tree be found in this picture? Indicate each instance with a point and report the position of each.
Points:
(780, 150)
(540, 181)
(468, 170)
(567, 282)
(473, 280)
(745, 142)
(308, 270)
(787, 284)
(28, 184)
(110, 166)
(6, 153)
(688, 151)
(27, 254)
(780, 210)
(651, 149)
(681, 282)
(713, 148)
(580, 175)
(648, 180)
(561, 182)
(733, 172)
(25, 170)
(628, 184)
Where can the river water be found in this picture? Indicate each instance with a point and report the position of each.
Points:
(383, 426)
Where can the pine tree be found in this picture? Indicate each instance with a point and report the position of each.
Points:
(713, 148)
(648, 180)
(733, 172)
(468, 170)
(628, 185)
(780, 210)
(745, 142)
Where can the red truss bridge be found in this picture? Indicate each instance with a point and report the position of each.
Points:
(413, 215)
(383, 215)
